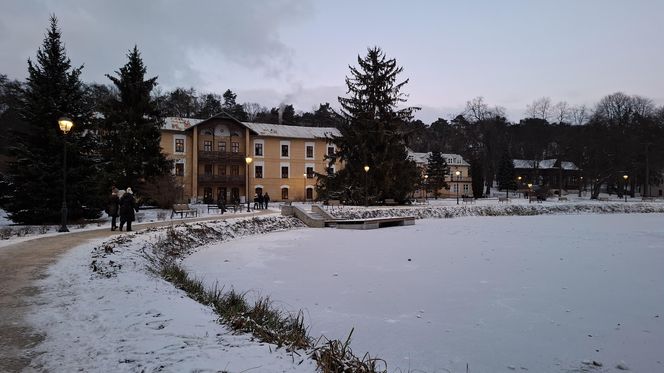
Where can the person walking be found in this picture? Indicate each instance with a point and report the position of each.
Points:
(266, 199)
(113, 207)
(127, 208)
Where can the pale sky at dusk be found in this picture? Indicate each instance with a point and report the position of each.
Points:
(511, 52)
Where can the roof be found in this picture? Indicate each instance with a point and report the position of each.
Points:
(451, 159)
(179, 124)
(299, 132)
(544, 164)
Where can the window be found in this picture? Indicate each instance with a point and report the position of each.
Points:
(310, 172)
(310, 193)
(179, 169)
(207, 170)
(284, 150)
(258, 172)
(330, 150)
(235, 147)
(235, 170)
(455, 188)
(309, 150)
(221, 170)
(179, 145)
(222, 146)
(465, 188)
(207, 146)
(284, 193)
(284, 172)
(330, 170)
(258, 149)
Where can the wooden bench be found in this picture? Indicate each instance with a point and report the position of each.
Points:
(184, 210)
(217, 208)
(389, 202)
(603, 199)
(503, 199)
(333, 203)
(534, 199)
(422, 201)
(467, 199)
(648, 199)
(563, 198)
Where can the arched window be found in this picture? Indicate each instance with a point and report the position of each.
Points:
(284, 193)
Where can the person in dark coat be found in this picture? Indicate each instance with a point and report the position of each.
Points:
(266, 199)
(127, 208)
(113, 208)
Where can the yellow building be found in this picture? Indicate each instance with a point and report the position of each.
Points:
(223, 158)
(458, 185)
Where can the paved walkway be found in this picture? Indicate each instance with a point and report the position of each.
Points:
(23, 263)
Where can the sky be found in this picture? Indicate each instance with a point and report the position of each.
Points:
(298, 52)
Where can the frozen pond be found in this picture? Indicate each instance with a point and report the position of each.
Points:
(500, 294)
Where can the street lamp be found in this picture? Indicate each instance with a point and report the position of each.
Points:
(304, 196)
(458, 174)
(426, 185)
(366, 196)
(625, 177)
(248, 160)
(65, 126)
(530, 185)
(518, 184)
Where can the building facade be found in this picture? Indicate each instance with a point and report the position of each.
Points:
(457, 185)
(221, 158)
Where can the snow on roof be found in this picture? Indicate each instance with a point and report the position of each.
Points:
(543, 164)
(179, 124)
(451, 159)
(280, 130)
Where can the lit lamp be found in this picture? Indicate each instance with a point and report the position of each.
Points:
(530, 185)
(518, 183)
(65, 126)
(625, 177)
(304, 196)
(458, 175)
(426, 185)
(366, 196)
(248, 160)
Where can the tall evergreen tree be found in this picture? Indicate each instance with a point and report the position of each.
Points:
(506, 176)
(232, 107)
(131, 129)
(437, 169)
(210, 105)
(370, 133)
(53, 89)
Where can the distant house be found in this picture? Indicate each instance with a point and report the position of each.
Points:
(547, 173)
(457, 185)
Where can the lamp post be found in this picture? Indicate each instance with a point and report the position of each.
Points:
(248, 161)
(304, 196)
(518, 184)
(65, 126)
(366, 195)
(581, 186)
(625, 177)
(530, 185)
(426, 185)
(458, 175)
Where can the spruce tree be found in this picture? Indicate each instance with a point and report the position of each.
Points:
(370, 133)
(232, 107)
(437, 169)
(506, 176)
(53, 90)
(131, 129)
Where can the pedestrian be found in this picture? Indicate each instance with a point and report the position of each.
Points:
(127, 208)
(255, 201)
(260, 201)
(113, 207)
(266, 199)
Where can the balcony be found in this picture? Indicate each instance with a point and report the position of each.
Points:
(220, 156)
(221, 179)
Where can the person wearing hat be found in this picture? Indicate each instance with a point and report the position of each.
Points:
(127, 208)
(113, 207)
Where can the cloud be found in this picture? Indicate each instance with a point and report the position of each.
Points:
(170, 35)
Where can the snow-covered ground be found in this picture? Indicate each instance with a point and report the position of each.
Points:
(546, 293)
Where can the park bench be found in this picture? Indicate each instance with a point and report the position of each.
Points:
(563, 198)
(503, 199)
(333, 203)
(390, 202)
(603, 199)
(184, 210)
(534, 199)
(467, 199)
(216, 208)
(422, 201)
(648, 199)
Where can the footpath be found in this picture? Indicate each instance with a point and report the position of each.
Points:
(23, 263)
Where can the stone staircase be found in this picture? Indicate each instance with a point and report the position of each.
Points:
(314, 218)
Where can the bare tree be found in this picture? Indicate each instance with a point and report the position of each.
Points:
(616, 107)
(643, 106)
(562, 112)
(253, 109)
(579, 115)
(540, 108)
(477, 110)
